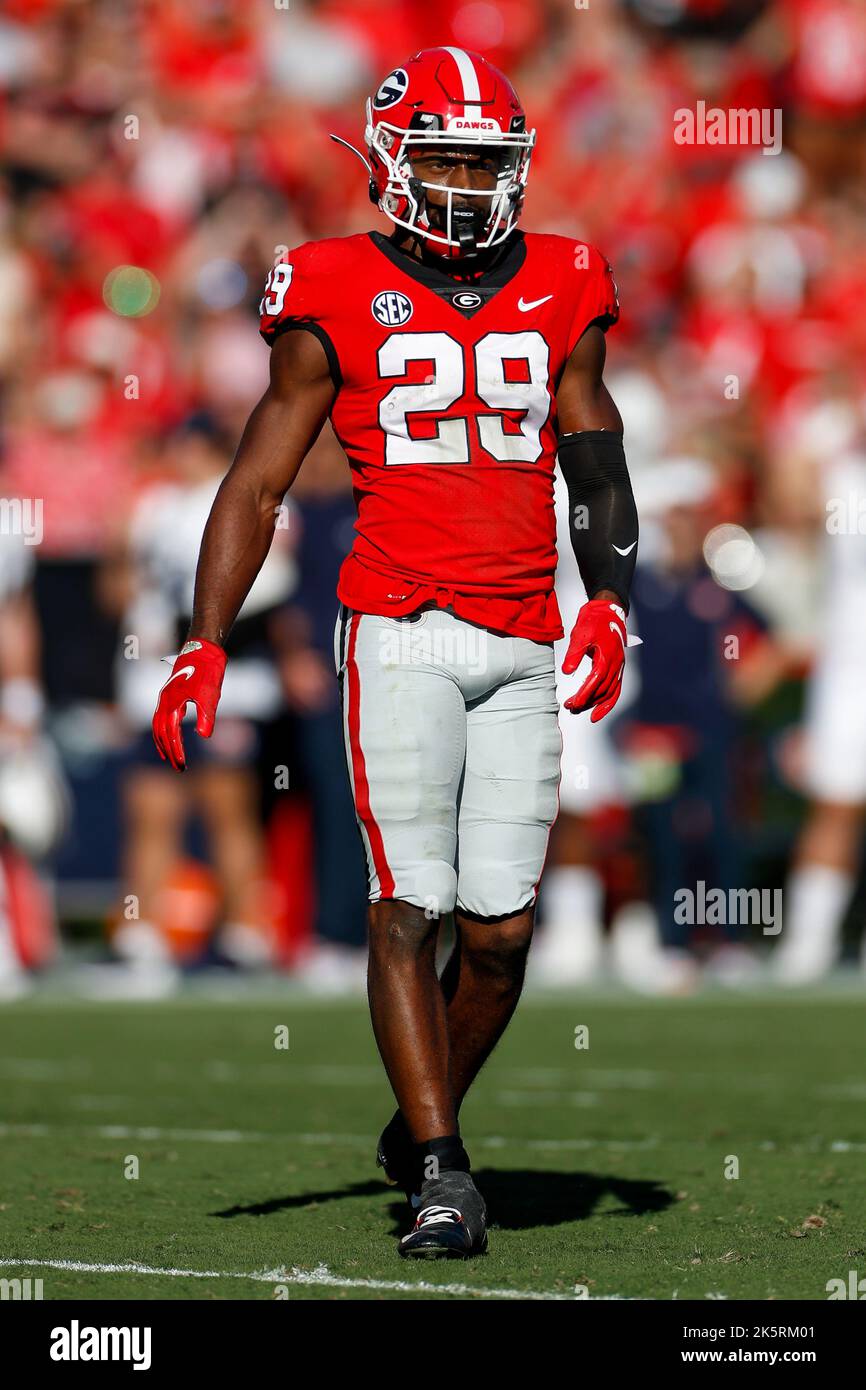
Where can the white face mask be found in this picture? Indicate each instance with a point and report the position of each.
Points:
(403, 197)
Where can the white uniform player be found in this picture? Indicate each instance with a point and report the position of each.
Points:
(836, 708)
(824, 876)
(165, 560)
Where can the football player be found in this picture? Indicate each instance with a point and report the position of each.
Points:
(455, 359)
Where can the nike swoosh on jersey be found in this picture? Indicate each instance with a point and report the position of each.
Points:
(533, 303)
(628, 549)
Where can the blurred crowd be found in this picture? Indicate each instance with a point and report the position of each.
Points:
(157, 156)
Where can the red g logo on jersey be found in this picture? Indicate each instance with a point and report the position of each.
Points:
(391, 308)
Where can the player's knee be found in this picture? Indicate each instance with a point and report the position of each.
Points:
(406, 925)
(499, 948)
(430, 886)
(493, 890)
(398, 931)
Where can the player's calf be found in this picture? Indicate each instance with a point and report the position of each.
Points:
(407, 1008)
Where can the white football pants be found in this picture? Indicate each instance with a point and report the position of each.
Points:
(453, 749)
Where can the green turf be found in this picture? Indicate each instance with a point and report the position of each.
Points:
(603, 1167)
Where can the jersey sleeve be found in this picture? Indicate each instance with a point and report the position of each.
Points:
(289, 300)
(296, 296)
(595, 293)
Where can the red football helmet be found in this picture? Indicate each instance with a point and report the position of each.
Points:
(447, 97)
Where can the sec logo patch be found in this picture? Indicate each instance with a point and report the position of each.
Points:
(392, 308)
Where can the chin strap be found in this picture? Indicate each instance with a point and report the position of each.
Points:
(467, 223)
(464, 222)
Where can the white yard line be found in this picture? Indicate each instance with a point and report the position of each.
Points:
(202, 1136)
(573, 1080)
(573, 1100)
(238, 1136)
(365, 1141)
(44, 1068)
(321, 1277)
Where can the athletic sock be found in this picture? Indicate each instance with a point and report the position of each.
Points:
(573, 893)
(397, 1131)
(817, 900)
(448, 1153)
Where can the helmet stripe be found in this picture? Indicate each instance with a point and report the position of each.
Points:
(469, 78)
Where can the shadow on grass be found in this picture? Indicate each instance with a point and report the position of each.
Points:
(517, 1198)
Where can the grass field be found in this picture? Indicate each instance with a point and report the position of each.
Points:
(602, 1166)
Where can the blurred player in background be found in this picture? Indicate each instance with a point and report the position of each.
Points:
(324, 508)
(704, 654)
(33, 799)
(571, 947)
(223, 789)
(829, 850)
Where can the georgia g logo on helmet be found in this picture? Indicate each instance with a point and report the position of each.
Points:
(393, 89)
(448, 98)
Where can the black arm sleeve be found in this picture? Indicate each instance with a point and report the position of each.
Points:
(602, 515)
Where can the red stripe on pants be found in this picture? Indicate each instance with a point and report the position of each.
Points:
(359, 767)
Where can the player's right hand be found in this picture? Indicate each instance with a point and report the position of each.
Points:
(196, 678)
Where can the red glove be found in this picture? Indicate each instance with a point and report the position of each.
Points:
(599, 630)
(196, 677)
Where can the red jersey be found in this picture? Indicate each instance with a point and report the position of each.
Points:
(446, 409)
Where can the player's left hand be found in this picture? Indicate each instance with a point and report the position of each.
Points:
(196, 679)
(599, 632)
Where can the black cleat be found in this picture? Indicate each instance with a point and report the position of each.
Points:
(397, 1156)
(451, 1222)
